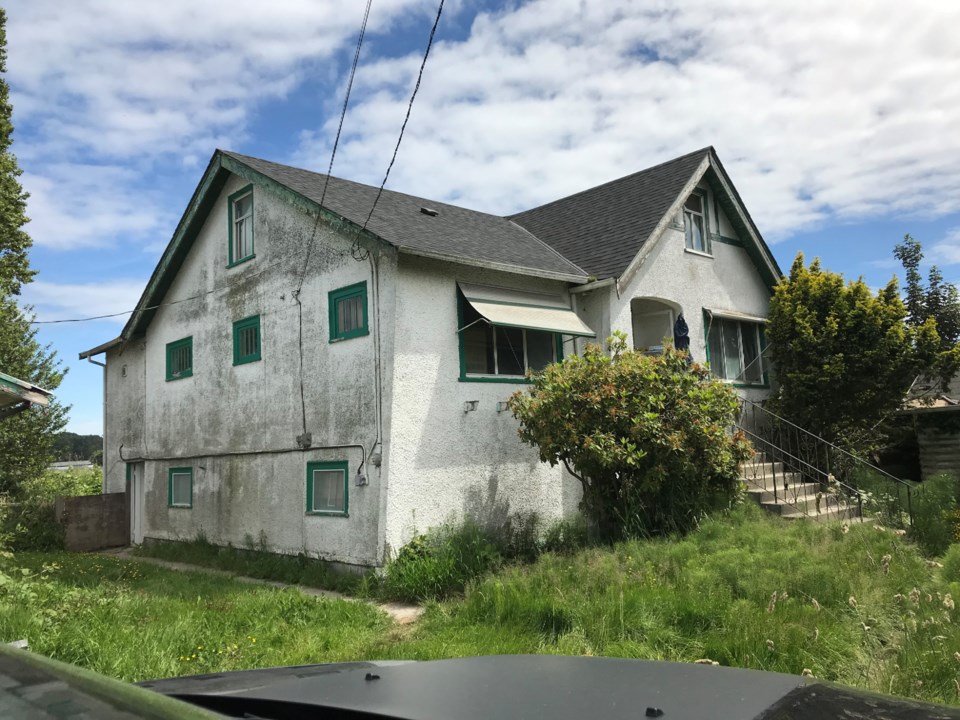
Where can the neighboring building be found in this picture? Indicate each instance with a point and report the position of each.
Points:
(18, 395)
(291, 377)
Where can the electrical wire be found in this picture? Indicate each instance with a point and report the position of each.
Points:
(403, 127)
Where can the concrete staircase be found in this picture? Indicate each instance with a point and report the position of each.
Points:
(793, 496)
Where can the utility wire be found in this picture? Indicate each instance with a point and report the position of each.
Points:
(336, 142)
(416, 87)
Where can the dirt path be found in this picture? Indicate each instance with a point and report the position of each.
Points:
(401, 613)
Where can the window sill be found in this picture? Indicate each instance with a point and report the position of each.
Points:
(180, 507)
(241, 261)
(180, 377)
(699, 252)
(247, 361)
(350, 336)
(327, 513)
(505, 379)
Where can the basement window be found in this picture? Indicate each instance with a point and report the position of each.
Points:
(246, 340)
(348, 312)
(327, 488)
(180, 359)
(240, 226)
(180, 487)
(695, 224)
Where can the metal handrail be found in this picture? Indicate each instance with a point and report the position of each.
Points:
(819, 439)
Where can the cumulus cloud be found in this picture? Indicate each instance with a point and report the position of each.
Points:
(818, 110)
(56, 301)
(947, 251)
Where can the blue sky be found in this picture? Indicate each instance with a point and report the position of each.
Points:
(838, 122)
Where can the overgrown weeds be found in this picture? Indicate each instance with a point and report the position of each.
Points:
(28, 520)
(256, 562)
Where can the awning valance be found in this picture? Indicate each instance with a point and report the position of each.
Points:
(519, 308)
(735, 315)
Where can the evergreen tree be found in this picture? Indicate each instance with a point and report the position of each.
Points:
(939, 300)
(26, 439)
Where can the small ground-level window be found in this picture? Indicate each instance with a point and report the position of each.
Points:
(246, 340)
(735, 349)
(327, 488)
(180, 487)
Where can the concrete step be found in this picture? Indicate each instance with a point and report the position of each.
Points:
(803, 504)
(762, 494)
(767, 482)
(842, 512)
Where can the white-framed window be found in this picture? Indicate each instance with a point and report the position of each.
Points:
(695, 223)
(735, 350)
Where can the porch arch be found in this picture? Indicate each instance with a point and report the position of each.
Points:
(652, 320)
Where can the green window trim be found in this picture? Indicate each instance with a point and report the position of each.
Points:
(356, 327)
(233, 256)
(180, 359)
(247, 340)
(323, 465)
(179, 471)
(764, 383)
(502, 379)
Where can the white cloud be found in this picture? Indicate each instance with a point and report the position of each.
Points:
(947, 251)
(56, 301)
(820, 110)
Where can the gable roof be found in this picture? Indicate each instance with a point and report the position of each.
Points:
(454, 233)
(603, 228)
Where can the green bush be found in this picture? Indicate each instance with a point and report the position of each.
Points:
(566, 536)
(28, 519)
(951, 564)
(882, 498)
(439, 563)
(934, 514)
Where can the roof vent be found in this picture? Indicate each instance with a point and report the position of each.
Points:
(429, 211)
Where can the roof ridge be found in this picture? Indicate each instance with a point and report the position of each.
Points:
(707, 149)
(548, 246)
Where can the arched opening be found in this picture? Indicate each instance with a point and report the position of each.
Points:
(652, 320)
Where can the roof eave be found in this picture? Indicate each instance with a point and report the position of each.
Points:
(502, 267)
(110, 344)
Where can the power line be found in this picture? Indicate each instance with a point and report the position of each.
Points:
(423, 64)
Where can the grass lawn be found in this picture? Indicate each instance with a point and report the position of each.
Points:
(860, 606)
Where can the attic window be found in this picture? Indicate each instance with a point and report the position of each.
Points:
(429, 211)
(240, 230)
(695, 224)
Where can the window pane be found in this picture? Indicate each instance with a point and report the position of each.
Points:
(243, 239)
(695, 203)
(509, 351)
(349, 314)
(693, 226)
(477, 342)
(540, 349)
(243, 207)
(181, 489)
(731, 350)
(753, 370)
(328, 487)
(715, 346)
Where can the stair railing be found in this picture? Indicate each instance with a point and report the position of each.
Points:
(821, 461)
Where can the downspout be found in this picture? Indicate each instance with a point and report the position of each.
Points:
(103, 450)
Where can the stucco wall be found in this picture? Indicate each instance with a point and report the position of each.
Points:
(126, 405)
(443, 462)
(255, 408)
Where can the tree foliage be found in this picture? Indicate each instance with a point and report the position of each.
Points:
(844, 357)
(70, 446)
(14, 241)
(647, 436)
(26, 438)
(939, 300)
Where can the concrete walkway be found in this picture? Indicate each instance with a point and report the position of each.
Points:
(401, 613)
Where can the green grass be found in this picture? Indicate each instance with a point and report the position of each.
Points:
(861, 607)
(133, 621)
(291, 569)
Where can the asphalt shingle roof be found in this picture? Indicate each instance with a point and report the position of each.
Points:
(603, 228)
(455, 231)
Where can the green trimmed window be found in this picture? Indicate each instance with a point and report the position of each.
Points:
(180, 359)
(240, 227)
(735, 350)
(246, 340)
(180, 487)
(348, 312)
(695, 223)
(492, 351)
(328, 492)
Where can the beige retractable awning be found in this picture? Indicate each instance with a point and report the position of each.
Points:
(735, 315)
(518, 308)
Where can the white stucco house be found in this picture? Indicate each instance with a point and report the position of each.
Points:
(330, 382)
